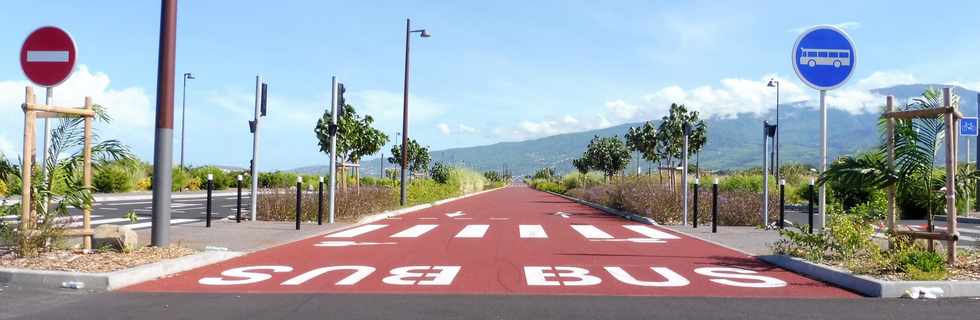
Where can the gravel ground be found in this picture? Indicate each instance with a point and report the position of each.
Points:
(72, 261)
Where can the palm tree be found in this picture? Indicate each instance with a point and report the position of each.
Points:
(65, 162)
(917, 146)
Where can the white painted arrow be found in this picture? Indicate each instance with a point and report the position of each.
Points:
(348, 243)
(455, 214)
(563, 214)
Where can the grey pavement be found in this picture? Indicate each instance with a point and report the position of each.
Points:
(751, 240)
(245, 236)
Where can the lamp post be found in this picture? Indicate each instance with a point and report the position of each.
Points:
(183, 117)
(774, 83)
(408, 38)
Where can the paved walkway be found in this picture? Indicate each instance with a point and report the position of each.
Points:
(245, 236)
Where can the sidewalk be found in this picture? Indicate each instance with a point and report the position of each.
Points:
(144, 195)
(750, 240)
(246, 236)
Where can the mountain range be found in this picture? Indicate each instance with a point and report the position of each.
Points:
(733, 143)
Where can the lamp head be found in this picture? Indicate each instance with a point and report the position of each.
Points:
(772, 83)
(425, 33)
(189, 76)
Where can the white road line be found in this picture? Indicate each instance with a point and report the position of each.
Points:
(499, 218)
(591, 232)
(651, 232)
(428, 218)
(353, 232)
(473, 231)
(102, 221)
(125, 203)
(110, 209)
(415, 231)
(454, 214)
(463, 218)
(532, 231)
(149, 224)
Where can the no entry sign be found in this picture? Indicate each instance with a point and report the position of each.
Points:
(48, 56)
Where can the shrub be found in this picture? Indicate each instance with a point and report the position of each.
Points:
(277, 179)
(545, 185)
(352, 204)
(746, 182)
(440, 172)
(3, 189)
(578, 180)
(428, 191)
(180, 178)
(921, 264)
(545, 174)
(112, 179)
(466, 181)
(144, 184)
(222, 180)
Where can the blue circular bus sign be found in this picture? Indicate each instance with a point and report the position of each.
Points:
(824, 57)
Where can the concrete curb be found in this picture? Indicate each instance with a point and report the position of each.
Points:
(393, 213)
(625, 215)
(969, 220)
(869, 286)
(108, 281)
(142, 196)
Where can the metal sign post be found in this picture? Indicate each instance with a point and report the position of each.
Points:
(254, 192)
(824, 58)
(333, 147)
(687, 134)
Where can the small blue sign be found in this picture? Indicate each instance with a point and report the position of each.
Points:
(968, 126)
(824, 57)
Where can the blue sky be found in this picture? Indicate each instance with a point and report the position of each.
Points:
(493, 71)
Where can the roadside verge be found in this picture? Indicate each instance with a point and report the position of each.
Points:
(616, 212)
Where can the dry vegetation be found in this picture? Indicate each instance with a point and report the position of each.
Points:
(100, 261)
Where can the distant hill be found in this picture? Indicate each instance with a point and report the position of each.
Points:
(732, 143)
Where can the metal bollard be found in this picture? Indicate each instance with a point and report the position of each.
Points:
(810, 207)
(299, 199)
(319, 204)
(210, 186)
(714, 207)
(238, 212)
(697, 184)
(782, 203)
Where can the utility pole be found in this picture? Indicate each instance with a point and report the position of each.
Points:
(163, 139)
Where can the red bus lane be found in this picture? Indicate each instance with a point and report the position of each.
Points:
(511, 241)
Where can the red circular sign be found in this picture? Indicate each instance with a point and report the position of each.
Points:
(48, 56)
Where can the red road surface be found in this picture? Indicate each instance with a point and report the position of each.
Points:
(511, 241)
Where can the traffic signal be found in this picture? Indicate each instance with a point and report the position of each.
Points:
(251, 126)
(341, 102)
(265, 89)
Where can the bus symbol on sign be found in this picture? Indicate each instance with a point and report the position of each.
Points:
(968, 126)
(825, 57)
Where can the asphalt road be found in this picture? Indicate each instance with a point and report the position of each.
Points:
(183, 210)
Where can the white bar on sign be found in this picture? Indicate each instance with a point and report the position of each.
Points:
(591, 232)
(651, 232)
(353, 232)
(47, 56)
(414, 231)
(473, 231)
(532, 231)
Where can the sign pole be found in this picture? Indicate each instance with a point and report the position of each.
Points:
(765, 174)
(48, 100)
(684, 175)
(333, 147)
(163, 143)
(823, 157)
(977, 162)
(254, 192)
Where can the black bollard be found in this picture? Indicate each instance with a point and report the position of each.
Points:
(238, 212)
(714, 207)
(810, 207)
(319, 204)
(299, 199)
(782, 203)
(697, 183)
(210, 186)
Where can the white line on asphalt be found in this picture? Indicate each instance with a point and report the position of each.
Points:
(454, 214)
(473, 231)
(126, 203)
(103, 221)
(110, 209)
(532, 231)
(415, 231)
(651, 232)
(149, 224)
(428, 218)
(499, 218)
(463, 218)
(591, 232)
(353, 232)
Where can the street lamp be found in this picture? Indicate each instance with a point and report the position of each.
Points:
(408, 38)
(774, 83)
(183, 117)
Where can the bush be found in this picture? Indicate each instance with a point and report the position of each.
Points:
(545, 185)
(746, 182)
(427, 191)
(3, 189)
(280, 204)
(277, 179)
(222, 180)
(112, 179)
(578, 180)
(466, 181)
(180, 178)
(440, 172)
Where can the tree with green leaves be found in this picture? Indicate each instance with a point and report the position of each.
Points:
(643, 139)
(418, 156)
(608, 154)
(670, 136)
(356, 137)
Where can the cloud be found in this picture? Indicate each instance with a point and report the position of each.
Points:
(7, 148)
(129, 107)
(446, 129)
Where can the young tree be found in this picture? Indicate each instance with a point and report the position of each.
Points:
(418, 156)
(670, 135)
(608, 155)
(355, 136)
(643, 139)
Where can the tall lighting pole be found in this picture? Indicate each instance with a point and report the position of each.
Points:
(774, 83)
(163, 140)
(183, 117)
(408, 38)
